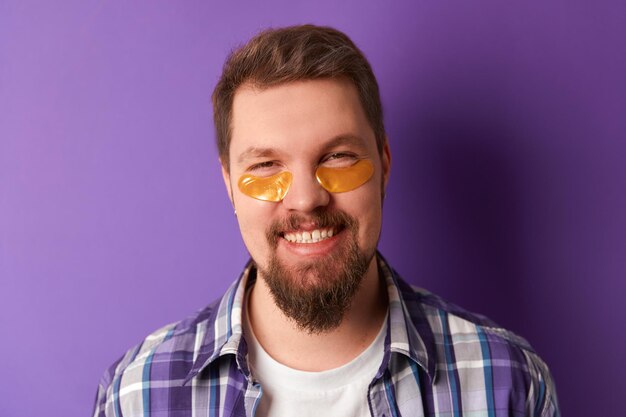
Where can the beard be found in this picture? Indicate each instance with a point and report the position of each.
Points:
(315, 295)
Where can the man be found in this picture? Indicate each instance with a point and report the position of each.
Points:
(318, 323)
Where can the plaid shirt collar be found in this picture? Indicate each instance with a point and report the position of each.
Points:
(408, 331)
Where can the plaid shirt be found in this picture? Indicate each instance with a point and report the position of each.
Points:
(439, 360)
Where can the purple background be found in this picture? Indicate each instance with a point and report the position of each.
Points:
(507, 128)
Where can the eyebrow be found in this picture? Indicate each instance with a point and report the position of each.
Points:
(256, 152)
(339, 140)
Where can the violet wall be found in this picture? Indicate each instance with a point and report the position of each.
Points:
(507, 193)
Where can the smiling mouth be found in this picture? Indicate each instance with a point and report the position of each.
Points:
(312, 236)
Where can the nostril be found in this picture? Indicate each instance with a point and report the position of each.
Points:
(305, 194)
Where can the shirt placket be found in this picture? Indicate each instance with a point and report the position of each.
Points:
(380, 397)
(253, 395)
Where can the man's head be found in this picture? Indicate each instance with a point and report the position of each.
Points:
(292, 105)
(279, 56)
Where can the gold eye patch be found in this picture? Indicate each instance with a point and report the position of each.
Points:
(340, 180)
(334, 180)
(272, 188)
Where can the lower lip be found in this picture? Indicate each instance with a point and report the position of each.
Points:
(323, 247)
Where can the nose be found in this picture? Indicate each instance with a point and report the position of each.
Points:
(305, 193)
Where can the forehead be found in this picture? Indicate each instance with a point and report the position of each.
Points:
(297, 117)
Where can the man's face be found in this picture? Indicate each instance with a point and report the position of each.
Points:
(298, 127)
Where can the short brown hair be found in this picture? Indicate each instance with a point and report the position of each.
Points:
(277, 56)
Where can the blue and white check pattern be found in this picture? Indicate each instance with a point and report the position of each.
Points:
(439, 361)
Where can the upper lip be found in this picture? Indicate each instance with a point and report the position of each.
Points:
(307, 229)
(301, 225)
(302, 229)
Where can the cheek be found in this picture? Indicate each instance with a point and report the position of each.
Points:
(368, 205)
(364, 204)
(254, 218)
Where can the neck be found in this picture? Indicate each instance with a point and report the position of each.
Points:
(299, 349)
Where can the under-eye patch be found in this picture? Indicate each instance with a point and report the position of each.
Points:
(273, 188)
(340, 180)
(335, 180)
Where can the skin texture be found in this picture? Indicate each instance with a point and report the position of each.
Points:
(299, 127)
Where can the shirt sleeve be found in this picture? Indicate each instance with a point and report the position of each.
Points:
(99, 406)
(542, 399)
(99, 409)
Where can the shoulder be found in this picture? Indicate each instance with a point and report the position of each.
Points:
(473, 350)
(169, 340)
(171, 350)
(448, 320)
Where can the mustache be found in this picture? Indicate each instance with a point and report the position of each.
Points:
(321, 218)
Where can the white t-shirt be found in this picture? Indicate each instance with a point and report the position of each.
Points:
(340, 392)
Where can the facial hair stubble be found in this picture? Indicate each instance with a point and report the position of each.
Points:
(316, 295)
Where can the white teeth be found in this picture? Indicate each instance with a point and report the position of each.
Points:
(309, 237)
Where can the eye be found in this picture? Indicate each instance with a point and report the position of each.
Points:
(265, 168)
(338, 155)
(340, 159)
(261, 165)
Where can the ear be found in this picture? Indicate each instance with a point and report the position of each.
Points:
(227, 183)
(386, 162)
